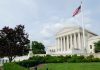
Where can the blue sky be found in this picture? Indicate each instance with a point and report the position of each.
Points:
(43, 18)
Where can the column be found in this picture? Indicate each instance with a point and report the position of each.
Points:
(76, 40)
(58, 44)
(75, 46)
(64, 43)
(81, 35)
(70, 41)
(61, 44)
(79, 41)
(67, 42)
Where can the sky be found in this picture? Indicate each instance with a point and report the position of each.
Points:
(43, 18)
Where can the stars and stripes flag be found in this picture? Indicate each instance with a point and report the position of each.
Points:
(78, 10)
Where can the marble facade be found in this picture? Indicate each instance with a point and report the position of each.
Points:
(69, 40)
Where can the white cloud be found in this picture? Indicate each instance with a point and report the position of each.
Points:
(49, 30)
(46, 31)
(17, 11)
(41, 20)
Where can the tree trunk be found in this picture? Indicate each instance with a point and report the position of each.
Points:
(11, 58)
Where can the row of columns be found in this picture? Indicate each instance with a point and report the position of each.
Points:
(70, 41)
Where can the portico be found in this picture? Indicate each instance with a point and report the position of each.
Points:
(69, 40)
(72, 41)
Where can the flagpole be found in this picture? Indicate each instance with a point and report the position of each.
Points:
(83, 28)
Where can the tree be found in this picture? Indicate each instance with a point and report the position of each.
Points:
(38, 48)
(13, 42)
(97, 47)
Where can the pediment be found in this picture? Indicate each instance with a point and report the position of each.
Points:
(67, 29)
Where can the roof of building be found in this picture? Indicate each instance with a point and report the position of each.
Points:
(67, 29)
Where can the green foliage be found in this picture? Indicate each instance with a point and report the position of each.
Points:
(13, 42)
(97, 47)
(38, 48)
(28, 63)
(35, 60)
(53, 59)
(13, 66)
(75, 58)
(95, 60)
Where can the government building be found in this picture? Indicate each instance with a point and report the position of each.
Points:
(69, 40)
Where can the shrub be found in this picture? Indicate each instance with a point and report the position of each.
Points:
(96, 60)
(75, 58)
(90, 57)
(28, 63)
(54, 59)
(35, 60)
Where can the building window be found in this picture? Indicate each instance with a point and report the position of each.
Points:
(90, 46)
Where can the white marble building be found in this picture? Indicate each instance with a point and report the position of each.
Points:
(69, 40)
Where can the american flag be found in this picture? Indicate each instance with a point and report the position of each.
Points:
(77, 11)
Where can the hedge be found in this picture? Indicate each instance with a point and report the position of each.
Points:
(35, 60)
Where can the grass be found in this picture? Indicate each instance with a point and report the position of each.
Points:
(57, 66)
(70, 66)
(13, 66)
